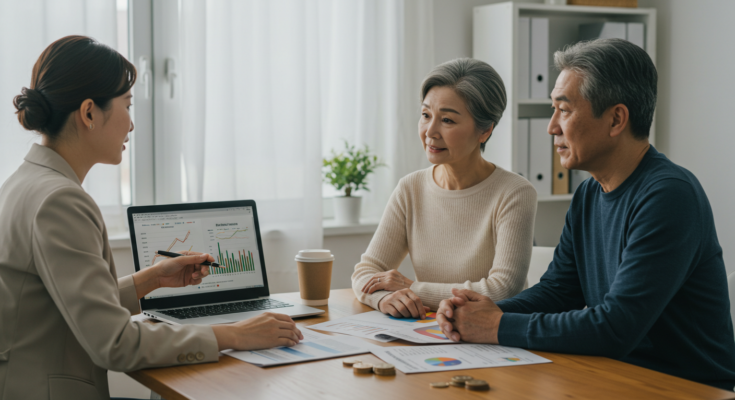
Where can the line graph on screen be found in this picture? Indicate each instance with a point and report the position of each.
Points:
(152, 242)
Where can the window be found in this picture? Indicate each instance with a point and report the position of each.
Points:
(105, 21)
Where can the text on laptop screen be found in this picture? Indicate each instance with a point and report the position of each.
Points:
(228, 234)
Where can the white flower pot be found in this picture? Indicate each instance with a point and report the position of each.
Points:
(347, 210)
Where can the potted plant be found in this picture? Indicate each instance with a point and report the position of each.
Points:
(348, 171)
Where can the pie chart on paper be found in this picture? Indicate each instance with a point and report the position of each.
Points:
(432, 332)
(430, 317)
(442, 362)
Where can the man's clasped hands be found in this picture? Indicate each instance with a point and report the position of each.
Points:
(468, 316)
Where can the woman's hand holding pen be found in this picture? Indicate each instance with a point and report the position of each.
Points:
(173, 272)
(183, 271)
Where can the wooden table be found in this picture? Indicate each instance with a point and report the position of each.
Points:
(568, 377)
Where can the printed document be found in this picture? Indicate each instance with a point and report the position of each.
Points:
(412, 360)
(315, 346)
(385, 328)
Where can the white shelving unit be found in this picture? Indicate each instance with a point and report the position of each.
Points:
(495, 41)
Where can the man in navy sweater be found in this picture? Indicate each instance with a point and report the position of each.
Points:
(638, 274)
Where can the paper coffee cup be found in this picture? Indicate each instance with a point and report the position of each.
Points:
(315, 276)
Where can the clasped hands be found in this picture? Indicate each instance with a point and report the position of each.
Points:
(470, 317)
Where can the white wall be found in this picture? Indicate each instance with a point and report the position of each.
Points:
(696, 100)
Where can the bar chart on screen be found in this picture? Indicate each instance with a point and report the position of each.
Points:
(233, 247)
(229, 236)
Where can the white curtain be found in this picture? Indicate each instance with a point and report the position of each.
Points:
(269, 87)
(26, 28)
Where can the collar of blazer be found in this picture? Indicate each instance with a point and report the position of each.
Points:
(45, 157)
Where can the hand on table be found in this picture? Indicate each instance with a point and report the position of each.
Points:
(403, 304)
(470, 317)
(265, 331)
(390, 280)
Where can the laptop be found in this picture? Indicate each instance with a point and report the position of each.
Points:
(229, 231)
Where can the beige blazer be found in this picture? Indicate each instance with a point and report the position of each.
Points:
(64, 315)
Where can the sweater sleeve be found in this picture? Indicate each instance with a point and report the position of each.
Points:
(386, 251)
(513, 227)
(654, 265)
(559, 289)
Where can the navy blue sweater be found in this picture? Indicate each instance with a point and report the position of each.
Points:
(645, 261)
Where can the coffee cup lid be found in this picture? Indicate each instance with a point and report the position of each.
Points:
(314, 255)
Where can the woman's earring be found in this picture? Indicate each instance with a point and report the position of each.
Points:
(91, 126)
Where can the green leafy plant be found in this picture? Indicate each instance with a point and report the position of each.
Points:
(350, 168)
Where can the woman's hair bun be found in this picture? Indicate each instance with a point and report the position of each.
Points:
(34, 111)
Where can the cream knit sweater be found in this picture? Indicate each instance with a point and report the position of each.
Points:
(478, 238)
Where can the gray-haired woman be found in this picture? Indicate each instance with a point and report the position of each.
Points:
(466, 222)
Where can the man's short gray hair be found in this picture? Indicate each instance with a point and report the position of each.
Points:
(614, 71)
(477, 83)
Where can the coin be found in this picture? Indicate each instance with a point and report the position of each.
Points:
(457, 384)
(462, 378)
(363, 368)
(439, 385)
(387, 372)
(384, 367)
(477, 384)
(348, 362)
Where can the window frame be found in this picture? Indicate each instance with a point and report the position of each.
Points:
(142, 160)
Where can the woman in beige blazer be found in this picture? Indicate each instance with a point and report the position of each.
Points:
(64, 315)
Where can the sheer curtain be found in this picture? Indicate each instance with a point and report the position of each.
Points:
(26, 28)
(269, 87)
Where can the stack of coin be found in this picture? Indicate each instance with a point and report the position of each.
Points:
(362, 368)
(476, 384)
(384, 369)
(439, 385)
(348, 362)
(459, 380)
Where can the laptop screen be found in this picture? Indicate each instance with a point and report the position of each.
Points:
(228, 234)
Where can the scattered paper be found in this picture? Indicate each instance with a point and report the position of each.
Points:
(454, 357)
(315, 346)
(385, 328)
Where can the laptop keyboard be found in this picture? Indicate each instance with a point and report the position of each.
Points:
(228, 308)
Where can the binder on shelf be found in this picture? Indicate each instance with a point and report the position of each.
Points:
(539, 155)
(633, 32)
(539, 58)
(560, 175)
(636, 34)
(603, 30)
(521, 147)
(524, 57)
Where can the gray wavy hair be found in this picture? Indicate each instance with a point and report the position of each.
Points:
(477, 83)
(614, 71)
